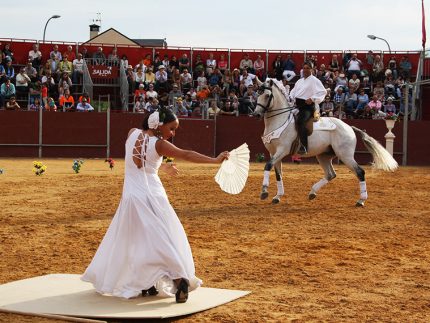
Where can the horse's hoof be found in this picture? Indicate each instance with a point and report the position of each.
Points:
(276, 200)
(264, 195)
(359, 203)
(312, 196)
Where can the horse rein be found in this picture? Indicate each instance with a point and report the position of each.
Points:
(266, 108)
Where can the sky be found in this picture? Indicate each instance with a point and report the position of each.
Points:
(234, 24)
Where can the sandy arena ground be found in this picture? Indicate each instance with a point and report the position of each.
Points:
(320, 260)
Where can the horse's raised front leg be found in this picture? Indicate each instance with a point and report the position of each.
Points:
(325, 161)
(279, 183)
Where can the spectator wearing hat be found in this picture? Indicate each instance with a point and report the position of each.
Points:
(35, 56)
(389, 107)
(161, 78)
(339, 102)
(84, 106)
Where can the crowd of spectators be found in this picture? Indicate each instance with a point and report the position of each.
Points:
(202, 88)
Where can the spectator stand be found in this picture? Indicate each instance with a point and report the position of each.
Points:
(298, 57)
(204, 54)
(236, 55)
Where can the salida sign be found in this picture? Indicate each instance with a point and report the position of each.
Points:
(102, 71)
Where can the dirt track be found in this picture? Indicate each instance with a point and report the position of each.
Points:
(321, 260)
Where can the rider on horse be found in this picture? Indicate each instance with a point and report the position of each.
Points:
(307, 92)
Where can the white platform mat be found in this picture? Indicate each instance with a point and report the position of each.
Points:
(65, 294)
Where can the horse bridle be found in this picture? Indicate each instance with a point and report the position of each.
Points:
(261, 90)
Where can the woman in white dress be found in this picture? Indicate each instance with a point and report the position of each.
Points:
(145, 249)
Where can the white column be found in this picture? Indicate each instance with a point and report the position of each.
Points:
(389, 136)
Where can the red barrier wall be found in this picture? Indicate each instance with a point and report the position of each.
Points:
(201, 135)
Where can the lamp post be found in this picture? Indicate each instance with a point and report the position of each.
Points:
(46, 25)
(373, 37)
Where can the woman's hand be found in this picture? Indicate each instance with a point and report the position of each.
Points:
(222, 156)
(170, 169)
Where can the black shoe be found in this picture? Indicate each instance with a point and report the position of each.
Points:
(150, 292)
(182, 292)
(302, 150)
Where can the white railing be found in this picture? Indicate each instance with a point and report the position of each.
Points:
(87, 83)
(123, 86)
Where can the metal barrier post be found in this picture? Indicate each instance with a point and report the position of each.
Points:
(108, 132)
(405, 126)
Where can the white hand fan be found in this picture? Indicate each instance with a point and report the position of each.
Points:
(233, 172)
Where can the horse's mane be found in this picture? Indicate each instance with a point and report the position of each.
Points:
(285, 91)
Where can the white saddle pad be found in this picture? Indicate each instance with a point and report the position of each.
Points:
(324, 124)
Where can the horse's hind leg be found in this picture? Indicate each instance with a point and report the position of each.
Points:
(329, 173)
(360, 173)
(279, 183)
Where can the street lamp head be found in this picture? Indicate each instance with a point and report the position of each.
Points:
(373, 37)
(56, 16)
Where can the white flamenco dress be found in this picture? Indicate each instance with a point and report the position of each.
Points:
(145, 245)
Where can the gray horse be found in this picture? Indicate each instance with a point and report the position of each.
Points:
(331, 137)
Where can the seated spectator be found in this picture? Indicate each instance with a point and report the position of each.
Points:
(174, 63)
(246, 79)
(354, 66)
(377, 69)
(36, 105)
(55, 53)
(141, 65)
(189, 104)
(334, 65)
(85, 96)
(405, 67)
(210, 64)
(70, 54)
(140, 105)
(147, 61)
(149, 76)
(226, 83)
(213, 109)
(151, 93)
(152, 104)
(166, 62)
(289, 66)
(379, 91)
(12, 104)
(340, 82)
(53, 63)
(43, 70)
(84, 106)
(49, 81)
(246, 63)
(8, 53)
(373, 107)
(179, 109)
(201, 80)
(157, 62)
(78, 69)
(389, 107)
(140, 92)
(229, 110)
(124, 61)
(199, 65)
(113, 57)
(64, 83)
(249, 100)
(278, 67)
(215, 78)
(327, 107)
(174, 94)
(35, 57)
(350, 102)
(184, 63)
(35, 90)
(7, 90)
(192, 93)
(85, 53)
(65, 66)
(67, 102)
(363, 100)
(354, 83)
(259, 68)
(222, 64)
(30, 71)
(22, 81)
(9, 70)
(99, 57)
(186, 80)
(203, 94)
(339, 102)
(139, 77)
(51, 106)
(44, 94)
(389, 83)
(392, 65)
(161, 78)
(2, 73)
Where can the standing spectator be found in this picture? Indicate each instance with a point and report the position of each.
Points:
(327, 107)
(53, 63)
(56, 53)
(78, 69)
(226, 82)
(99, 57)
(184, 63)
(199, 66)
(288, 68)
(7, 90)
(259, 67)
(389, 83)
(354, 66)
(84, 106)
(49, 81)
(174, 94)
(31, 71)
(174, 63)
(22, 81)
(405, 67)
(377, 69)
(12, 104)
(70, 54)
(278, 67)
(166, 62)
(35, 56)
(157, 62)
(222, 64)
(370, 58)
(131, 78)
(85, 54)
(210, 64)
(124, 61)
(235, 80)
(246, 63)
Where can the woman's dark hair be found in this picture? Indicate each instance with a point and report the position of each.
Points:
(308, 63)
(166, 116)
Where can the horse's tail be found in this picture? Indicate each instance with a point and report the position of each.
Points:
(382, 159)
